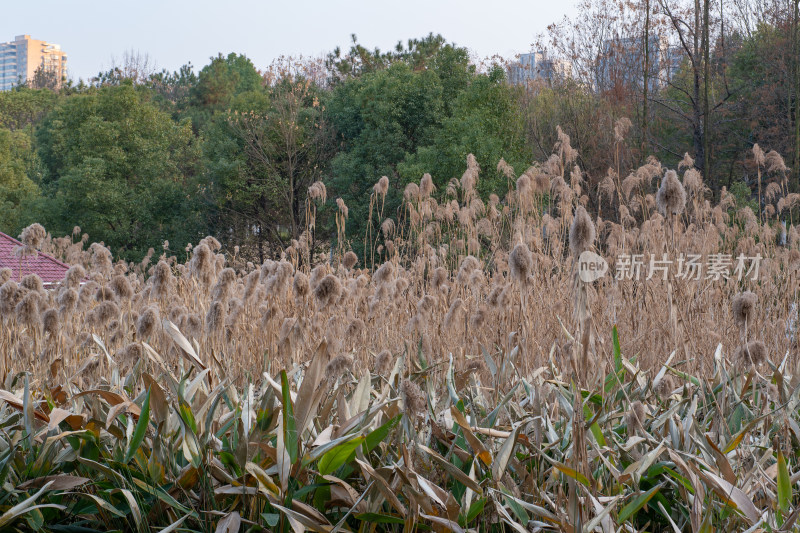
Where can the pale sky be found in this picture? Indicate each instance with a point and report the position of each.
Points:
(174, 32)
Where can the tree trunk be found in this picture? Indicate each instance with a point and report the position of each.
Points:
(260, 245)
(699, 145)
(698, 140)
(796, 60)
(646, 77)
(706, 84)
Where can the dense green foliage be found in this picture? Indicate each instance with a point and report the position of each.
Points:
(381, 118)
(120, 168)
(485, 122)
(135, 159)
(260, 157)
(16, 188)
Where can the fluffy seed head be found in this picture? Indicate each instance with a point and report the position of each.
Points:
(793, 260)
(337, 367)
(106, 312)
(131, 353)
(121, 287)
(384, 272)
(477, 320)
(524, 186)
(743, 308)
(468, 265)
(101, 258)
(520, 262)
(32, 282)
(67, 298)
(162, 280)
(581, 233)
(222, 290)
(317, 273)
(456, 308)
(425, 305)
(74, 276)
(328, 291)
(635, 418)
(300, 285)
(215, 318)
(50, 322)
(754, 353)
(387, 227)
(383, 363)
(621, 127)
(194, 325)
(400, 286)
(343, 209)
(28, 309)
(251, 283)
(105, 294)
(382, 187)
(671, 196)
(665, 387)
(349, 260)
(202, 264)
(688, 162)
(213, 244)
(774, 162)
(426, 186)
(439, 278)
(318, 191)
(758, 155)
(411, 192)
(414, 401)
(234, 312)
(494, 296)
(147, 322)
(33, 236)
(475, 366)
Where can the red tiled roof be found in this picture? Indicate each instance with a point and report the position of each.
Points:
(50, 269)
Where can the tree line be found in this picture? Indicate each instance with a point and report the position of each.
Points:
(142, 159)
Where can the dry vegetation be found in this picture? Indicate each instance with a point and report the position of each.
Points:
(436, 388)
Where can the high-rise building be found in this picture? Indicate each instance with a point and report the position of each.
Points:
(621, 63)
(537, 66)
(21, 58)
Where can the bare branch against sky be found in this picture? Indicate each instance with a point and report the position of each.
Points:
(174, 32)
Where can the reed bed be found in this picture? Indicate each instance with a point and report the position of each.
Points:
(460, 375)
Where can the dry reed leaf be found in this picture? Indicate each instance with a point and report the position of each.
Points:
(186, 348)
(383, 487)
(731, 494)
(57, 482)
(307, 400)
(477, 446)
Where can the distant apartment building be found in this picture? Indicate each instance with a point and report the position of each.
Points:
(621, 63)
(537, 66)
(22, 57)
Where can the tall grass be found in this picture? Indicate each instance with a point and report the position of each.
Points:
(469, 380)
